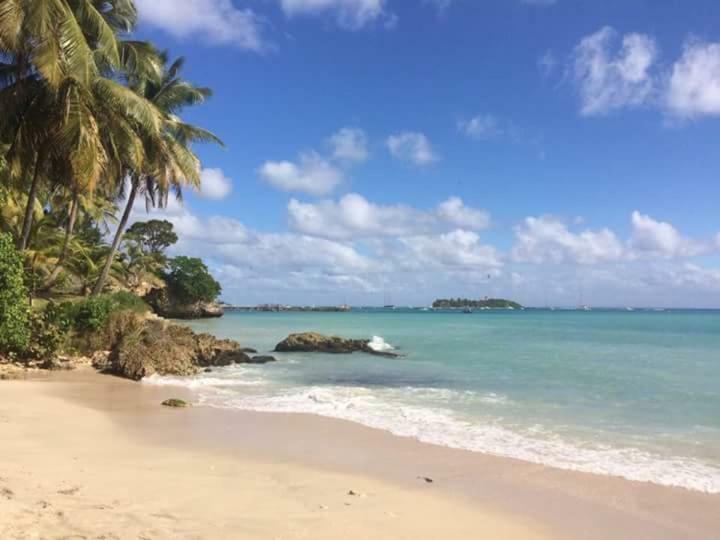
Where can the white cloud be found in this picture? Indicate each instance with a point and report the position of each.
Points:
(458, 248)
(213, 21)
(550, 264)
(480, 127)
(349, 145)
(273, 251)
(454, 211)
(658, 238)
(610, 77)
(412, 146)
(547, 239)
(311, 174)
(354, 217)
(694, 86)
(351, 14)
(214, 184)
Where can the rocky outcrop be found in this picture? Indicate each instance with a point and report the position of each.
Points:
(164, 305)
(314, 342)
(157, 347)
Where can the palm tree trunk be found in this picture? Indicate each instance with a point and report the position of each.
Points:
(69, 228)
(118, 237)
(30, 207)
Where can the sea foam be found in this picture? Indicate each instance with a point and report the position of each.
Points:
(385, 409)
(378, 344)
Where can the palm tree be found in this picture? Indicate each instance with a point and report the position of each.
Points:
(51, 83)
(170, 162)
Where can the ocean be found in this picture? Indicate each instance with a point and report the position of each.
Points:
(634, 394)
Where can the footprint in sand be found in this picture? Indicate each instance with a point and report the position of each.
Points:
(7, 493)
(69, 491)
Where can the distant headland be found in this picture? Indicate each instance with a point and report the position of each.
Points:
(485, 303)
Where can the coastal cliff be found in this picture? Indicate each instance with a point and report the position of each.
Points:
(167, 305)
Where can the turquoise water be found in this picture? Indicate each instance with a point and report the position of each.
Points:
(633, 394)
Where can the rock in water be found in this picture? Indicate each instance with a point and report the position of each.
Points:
(262, 359)
(174, 402)
(314, 342)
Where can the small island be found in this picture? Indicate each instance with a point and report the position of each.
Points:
(466, 303)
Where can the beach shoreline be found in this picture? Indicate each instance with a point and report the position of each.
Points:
(302, 466)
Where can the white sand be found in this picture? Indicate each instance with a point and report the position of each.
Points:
(70, 471)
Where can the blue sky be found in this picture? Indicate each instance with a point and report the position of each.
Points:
(553, 152)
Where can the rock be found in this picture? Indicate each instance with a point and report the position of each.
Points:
(262, 359)
(165, 306)
(207, 370)
(426, 479)
(156, 346)
(219, 352)
(100, 360)
(249, 350)
(314, 342)
(174, 402)
(59, 363)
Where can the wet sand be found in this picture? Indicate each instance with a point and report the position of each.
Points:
(97, 457)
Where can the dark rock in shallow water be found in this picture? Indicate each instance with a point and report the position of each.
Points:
(249, 350)
(262, 359)
(314, 342)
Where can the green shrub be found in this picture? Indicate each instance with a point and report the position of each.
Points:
(190, 281)
(92, 313)
(14, 306)
(129, 301)
(47, 336)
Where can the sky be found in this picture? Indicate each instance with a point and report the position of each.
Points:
(556, 152)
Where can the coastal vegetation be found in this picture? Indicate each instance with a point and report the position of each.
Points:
(486, 303)
(91, 127)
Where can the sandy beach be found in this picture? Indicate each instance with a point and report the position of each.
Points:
(90, 456)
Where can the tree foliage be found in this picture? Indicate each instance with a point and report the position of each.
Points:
(14, 309)
(488, 303)
(90, 119)
(189, 280)
(153, 236)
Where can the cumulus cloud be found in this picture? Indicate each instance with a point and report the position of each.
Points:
(454, 211)
(310, 174)
(547, 239)
(483, 126)
(350, 14)
(658, 238)
(549, 264)
(213, 21)
(458, 248)
(413, 147)
(349, 145)
(353, 216)
(610, 76)
(694, 85)
(214, 184)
